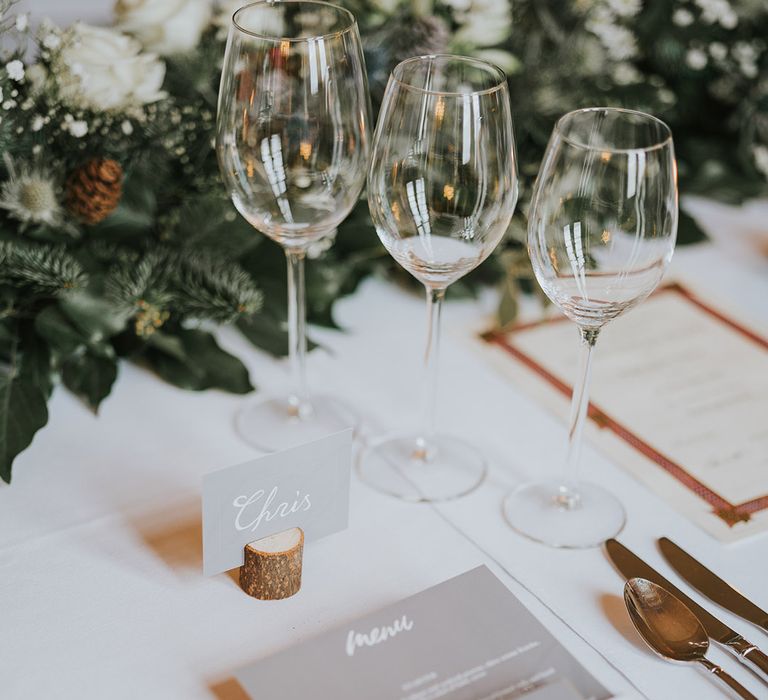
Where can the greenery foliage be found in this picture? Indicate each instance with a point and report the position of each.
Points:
(145, 282)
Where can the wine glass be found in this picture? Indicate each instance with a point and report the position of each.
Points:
(442, 187)
(601, 232)
(292, 142)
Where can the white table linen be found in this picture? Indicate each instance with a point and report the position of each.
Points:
(101, 589)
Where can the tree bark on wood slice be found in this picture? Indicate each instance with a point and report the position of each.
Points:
(271, 568)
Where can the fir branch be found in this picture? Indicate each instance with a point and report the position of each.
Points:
(205, 287)
(41, 270)
(185, 283)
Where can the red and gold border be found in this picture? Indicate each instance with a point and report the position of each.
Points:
(730, 513)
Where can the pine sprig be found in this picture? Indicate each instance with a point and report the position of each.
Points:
(187, 283)
(215, 289)
(39, 269)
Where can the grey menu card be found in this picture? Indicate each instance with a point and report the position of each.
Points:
(468, 638)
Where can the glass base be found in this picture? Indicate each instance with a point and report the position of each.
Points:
(404, 467)
(543, 512)
(272, 425)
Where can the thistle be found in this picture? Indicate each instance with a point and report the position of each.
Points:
(31, 195)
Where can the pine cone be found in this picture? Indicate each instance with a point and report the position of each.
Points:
(94, 190)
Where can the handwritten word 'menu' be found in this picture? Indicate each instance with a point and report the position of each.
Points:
(357, 640)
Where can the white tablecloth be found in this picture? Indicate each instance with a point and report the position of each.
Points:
(101, 590)
(101, 593)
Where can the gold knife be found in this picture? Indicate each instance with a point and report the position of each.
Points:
(631, 566)
(711, 585)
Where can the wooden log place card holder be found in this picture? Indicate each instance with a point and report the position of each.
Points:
(257, 515)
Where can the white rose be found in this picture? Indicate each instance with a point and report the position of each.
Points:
(164, 26)
(484, 23)
(223, 19)
(102, 69)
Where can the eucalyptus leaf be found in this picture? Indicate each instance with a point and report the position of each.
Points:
(96, 317)
(204, 365)
(688, 229)
(23, 410)
(52, 325)
(90, 377)
(508, 304)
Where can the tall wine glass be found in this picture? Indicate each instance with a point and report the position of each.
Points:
(601, 232)
(442, 188)
(292, 142)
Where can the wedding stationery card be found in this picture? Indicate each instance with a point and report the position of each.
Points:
(679, 398)
(468, 638)
(306, 486)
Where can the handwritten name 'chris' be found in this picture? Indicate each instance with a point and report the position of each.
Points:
(262, 507)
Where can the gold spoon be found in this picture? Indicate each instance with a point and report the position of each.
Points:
(670, 628)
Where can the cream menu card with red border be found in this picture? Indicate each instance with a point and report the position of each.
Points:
(679, 398)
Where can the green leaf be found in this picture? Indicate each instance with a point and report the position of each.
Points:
(23, 410)
(265, 332)
(204, 365)
(268, 334)
(95, 317)
(508, 304)
(52, 325)
(90, 377)
(37, 359)
(688, 230)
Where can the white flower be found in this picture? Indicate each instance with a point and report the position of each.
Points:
(760, 154)
(667, 96)
(37, 76)
(164, 26)
(316, 249)
(696, 59)
(102, 69)
(271, 24)
(386, 6)
(682, 17)
(127, 127)
(508, 62)
(22, 22)
(52, 41)
(77, 127)
(729, 20)
(619, 42)
(626, 8)
(483, 23)
(30, 195)
(37, 122)
(15, 70)
(717, 12)
(718, 50)
(626, 74)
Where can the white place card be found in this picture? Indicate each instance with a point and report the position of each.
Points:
(306, 486)
(679, 398)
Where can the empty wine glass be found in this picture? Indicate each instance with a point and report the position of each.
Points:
(292, 142)
(442, 188)
(601, 232)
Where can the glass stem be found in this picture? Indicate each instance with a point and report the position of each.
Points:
(568, 492)
(424, 442)
(298, 401)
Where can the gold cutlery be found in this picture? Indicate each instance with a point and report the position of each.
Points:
(711, 585)
(670, 628)
(631, 566)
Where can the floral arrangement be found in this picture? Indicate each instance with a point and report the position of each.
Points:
(119, 241)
